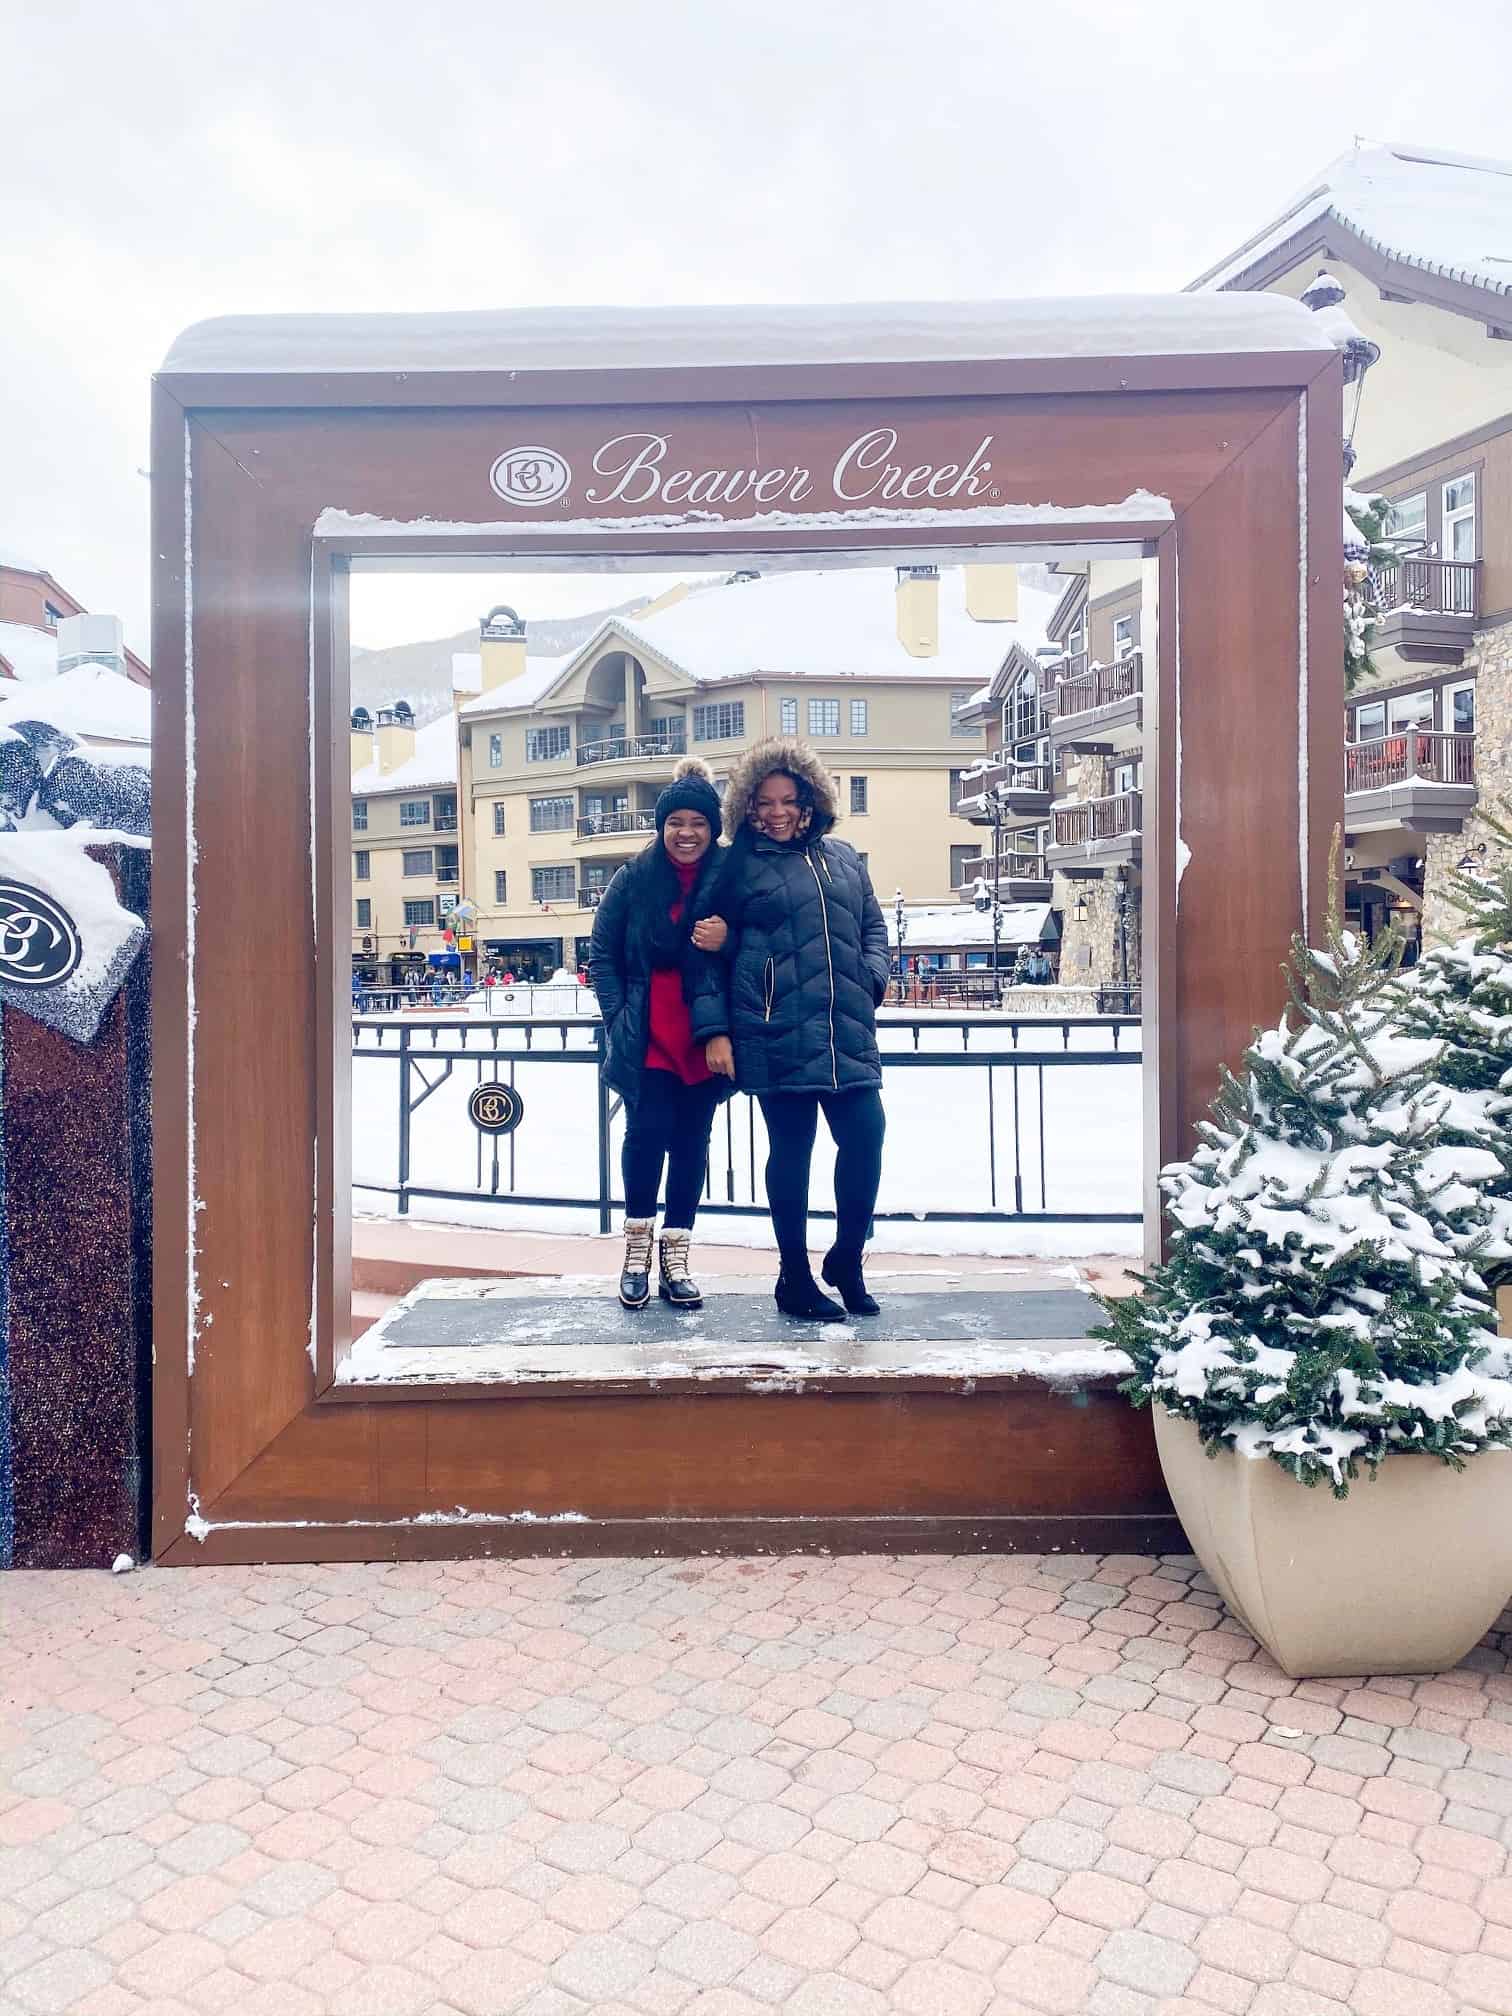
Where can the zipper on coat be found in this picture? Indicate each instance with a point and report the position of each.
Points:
(829, 959)
(771, 986)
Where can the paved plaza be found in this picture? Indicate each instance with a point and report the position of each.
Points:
(977, 1786)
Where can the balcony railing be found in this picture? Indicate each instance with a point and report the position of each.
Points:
(589, 899)
(1097, 819)
(1416, 753)
(597, 823)
(1431, 587)
(1011, 868)
(446, 875)
(1098, 686)
(620, 747)
(445, 822)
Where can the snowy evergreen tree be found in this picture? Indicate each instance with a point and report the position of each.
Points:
(1321, 1304)
(1459, 996)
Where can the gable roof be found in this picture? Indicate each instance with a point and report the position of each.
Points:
(1445, 216)
(831, 624)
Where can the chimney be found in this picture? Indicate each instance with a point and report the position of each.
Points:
(992, 593)
(362, 739)
(396, 736)
(91, 640)
(502, 645)
(919, 611)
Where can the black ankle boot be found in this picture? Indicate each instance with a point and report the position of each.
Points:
(846, 1275)
(801, 1296)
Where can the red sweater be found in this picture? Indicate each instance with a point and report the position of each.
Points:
(672, 1046)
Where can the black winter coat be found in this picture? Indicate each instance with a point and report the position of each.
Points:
(805, 969)
(619, 963)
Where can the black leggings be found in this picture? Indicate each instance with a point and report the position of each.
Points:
(669, 1123)
(792, 1121)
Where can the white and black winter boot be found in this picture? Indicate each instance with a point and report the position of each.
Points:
(677, 1285)
(635, 1276)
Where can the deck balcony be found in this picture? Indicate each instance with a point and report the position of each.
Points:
(1092, 835)
(1418, 779)
(1023, 791)
(1432, 608)
(1100, 709)
(1020, 878)
(633, 749)
(615, 825)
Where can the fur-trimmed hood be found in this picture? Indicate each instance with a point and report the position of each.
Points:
(798, 759)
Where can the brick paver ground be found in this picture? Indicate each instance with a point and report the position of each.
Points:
(937, 1786)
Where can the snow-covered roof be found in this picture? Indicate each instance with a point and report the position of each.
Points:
(525, 691)
(433, 765)
(22, 562)
(467, 672)
(90, 701)
(962, 924)
(596, 339)
(1445, 214)
(837, 623)
(31, 653)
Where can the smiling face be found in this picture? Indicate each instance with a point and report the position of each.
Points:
(687, 836)
(775, 810)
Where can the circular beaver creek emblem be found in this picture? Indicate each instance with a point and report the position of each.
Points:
(530, 475)
(495, 1109)
(39, 941)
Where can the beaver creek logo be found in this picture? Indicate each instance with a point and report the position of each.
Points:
(530, 475)
(39, 941)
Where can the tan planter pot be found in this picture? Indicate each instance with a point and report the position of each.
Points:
(1404, 1575)
(1504, 1312)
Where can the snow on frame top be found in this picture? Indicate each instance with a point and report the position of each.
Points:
(597, 339)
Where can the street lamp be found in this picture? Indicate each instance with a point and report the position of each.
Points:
(900, 923)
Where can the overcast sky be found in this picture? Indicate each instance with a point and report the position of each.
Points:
(168, 163)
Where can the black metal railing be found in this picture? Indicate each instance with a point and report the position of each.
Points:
(618, 748)
(1012, 1062)
(597, 825)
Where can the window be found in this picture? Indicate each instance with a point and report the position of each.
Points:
(1408, 518)
(959, 856)
(364, 913)
(1459, 709)
(420, 910)
(551, 815)
(1025, 705)
(859, 713)
(1459, 519)
(419, 861)
(1127, 776)
(496, 752)
(501, 886)
(1409, 710)
(499, 818)
(1076, 637)
(446, 812)
(1124, 637)
(551, 885)
(968, 729)
(665, 726)
(597, 876)
(543, 745)
(362, 865)
(1370, 722)
(446, 864)
(788, 716)
(824, 717)
(957, 786)
(858, 794)
(720, 721)
(414, 811)
(50, 616)
(359, 815)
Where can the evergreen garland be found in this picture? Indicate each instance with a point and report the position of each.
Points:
(1321, 1304)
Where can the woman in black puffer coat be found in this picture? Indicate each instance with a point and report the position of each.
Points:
(797, 990)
